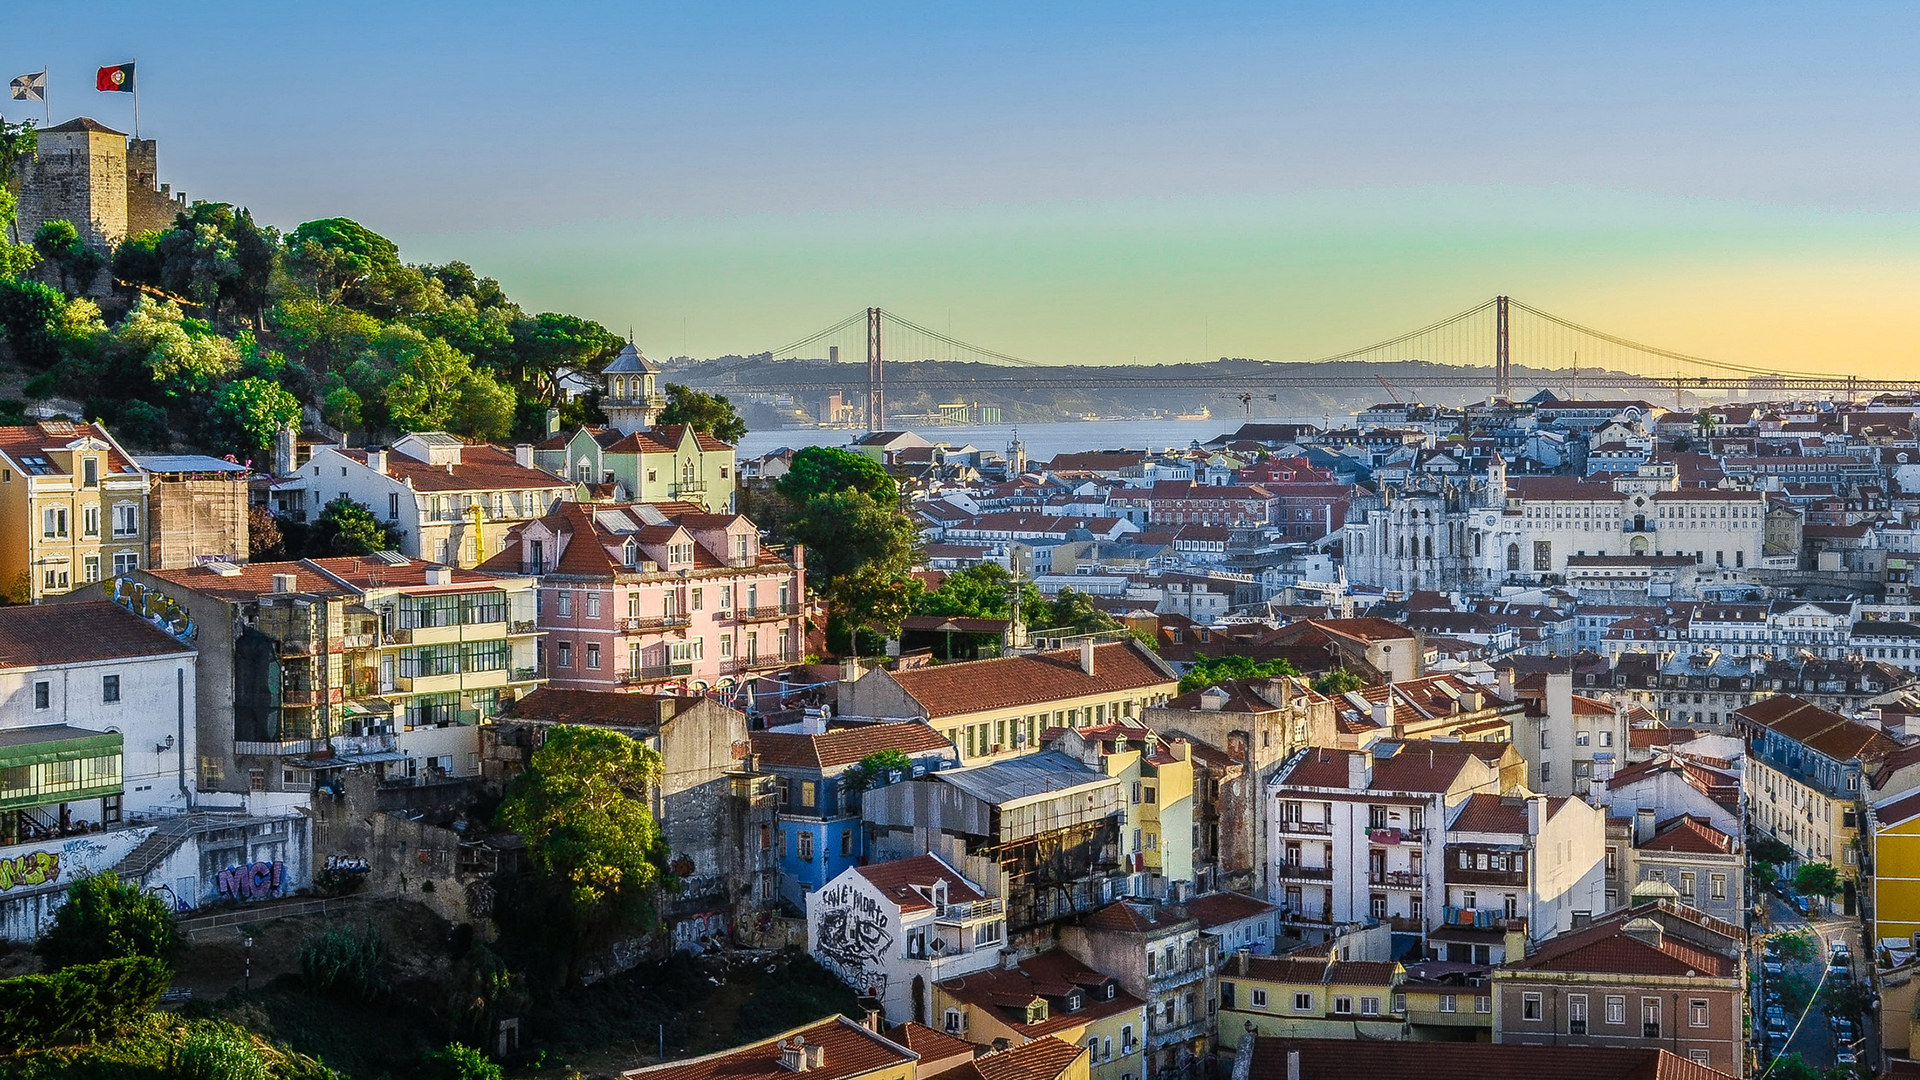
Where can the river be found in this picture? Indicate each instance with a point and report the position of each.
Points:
(1043, 440)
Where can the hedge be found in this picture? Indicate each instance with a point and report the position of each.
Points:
(79, 1003)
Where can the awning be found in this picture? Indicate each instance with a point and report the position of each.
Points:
(344, 761)
(55, 742)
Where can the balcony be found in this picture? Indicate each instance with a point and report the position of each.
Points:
(1457, 876)
(523, 674)
(279, 747)
(655, 674)
(1319, 916)
(1379, 835)
(641, 623)
(1398, 879)
(766, 612)
(1308, 828)
(523, 626)
(449, 682)
(1296, 872)
(970, 910)
(690, 487)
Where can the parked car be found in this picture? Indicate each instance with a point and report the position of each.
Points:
(1773, 966)
(1845, 1056)
(1841, 954)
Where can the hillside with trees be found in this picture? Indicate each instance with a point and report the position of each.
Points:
(217, 331)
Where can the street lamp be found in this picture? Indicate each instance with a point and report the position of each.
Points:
(247, 976)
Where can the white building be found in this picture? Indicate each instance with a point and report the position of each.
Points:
(1525, 856)
(451, 502)
(891, 930)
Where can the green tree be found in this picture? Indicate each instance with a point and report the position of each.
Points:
(423, 388)
(548, 344)
(982, 591)
(1818, 879)
(136, 260)
(251, 410)
(32, 314)
(847, 532)
(710, 413)
(1211, 670)
(582, 808)
(323, 336)
(872, 598)
(482, 408)
(1337, 681)
(182, 356)
(105, 918)
(337, 256)
(872, 767)
(1797, 946)
(824, 470)
(347, 963)
(1074, 611)
(457, 1061)
(265, 541)
(1768, 852)
(59, 244)
(346, 527)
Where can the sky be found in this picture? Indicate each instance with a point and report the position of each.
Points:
(1072, 182)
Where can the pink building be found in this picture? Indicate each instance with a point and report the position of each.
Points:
(647, 596)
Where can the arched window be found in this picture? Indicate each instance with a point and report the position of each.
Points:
(1513, 558)
(1429, 547)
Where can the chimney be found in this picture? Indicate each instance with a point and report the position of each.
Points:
(377, 460)
(1240, 958)
(553, 421)
(1383, 711)
(793, 1057)
(1357, 770)
(816, 1054)
(439, 575)
(1536, 814)
(283, 449)
(874, 1021)
(1647, 930)
(523, 455)
(1086, 655)
(1642, 825)
(1293, 1065)
(286, 583)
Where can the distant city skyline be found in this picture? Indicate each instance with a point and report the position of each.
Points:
(1079, 183)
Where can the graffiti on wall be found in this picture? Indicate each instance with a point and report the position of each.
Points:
(850, 935)
(696, 933)
(29, 869)
(66, 861)
(254, 881)
(151, 604)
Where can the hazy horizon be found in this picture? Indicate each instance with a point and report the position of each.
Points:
(1079, 183)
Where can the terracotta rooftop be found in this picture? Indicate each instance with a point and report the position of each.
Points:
(1609, 946)
(1054, 975)
(1410, 765)
(1218, 909)
(933, 1046)
(1346, 1059)
(1017, 682)
(598, 707)
(909, 883)
(1498, 814)
(51, 437)
(1042, 1059)
(1818, 729)
(481, 468)
(1689, 834)
(77, 633)
(847, 1050)
(846, 745)
(1134, 917)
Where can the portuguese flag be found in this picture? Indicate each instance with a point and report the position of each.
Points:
(117, 78)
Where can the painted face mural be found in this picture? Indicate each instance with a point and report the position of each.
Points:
(852, 938)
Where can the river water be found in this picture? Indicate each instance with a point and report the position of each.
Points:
(1043, 440)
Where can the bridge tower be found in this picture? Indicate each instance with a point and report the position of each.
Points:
(876, 380)
(1502, 355)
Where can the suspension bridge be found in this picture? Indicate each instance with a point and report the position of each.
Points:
(1501, 346)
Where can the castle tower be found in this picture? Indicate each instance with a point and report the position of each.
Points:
(632, 401)
(79, 174)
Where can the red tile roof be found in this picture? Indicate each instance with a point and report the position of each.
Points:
(848, 1050)
(1498, 814)
(1415, 765)
(932, 1046)
(1042, 1059)
(1218, 909)
(481, 468)
(1055, 973)
(1016, 682)
(1133, 917)
(909, 883)
(1608, 946)
(1690, 835)
(846, 745)
(50, 437)
(77, 633)
(599, 707)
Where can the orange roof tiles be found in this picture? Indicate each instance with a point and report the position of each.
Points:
(1346, 1059)
(1015, 682)
(846, 745)
(1218, 909)
(76, 633)
(909, 883)
(847, 1050)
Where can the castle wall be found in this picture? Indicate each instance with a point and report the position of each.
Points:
(78, 176)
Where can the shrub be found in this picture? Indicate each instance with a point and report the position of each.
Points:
(217, 1054)
(457, 1061)
(346, 963)
(105, 918)
(78, 1003)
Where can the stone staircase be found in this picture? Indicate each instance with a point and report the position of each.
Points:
(171, 832)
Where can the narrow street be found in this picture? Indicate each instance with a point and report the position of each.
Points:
(1812, 1033)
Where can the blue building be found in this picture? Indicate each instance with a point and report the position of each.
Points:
(819, 826)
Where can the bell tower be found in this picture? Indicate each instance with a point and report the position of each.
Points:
(632, 400)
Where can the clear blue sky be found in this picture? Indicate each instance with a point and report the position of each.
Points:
(1072, 181)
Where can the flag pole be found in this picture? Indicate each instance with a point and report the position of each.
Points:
(136, 96)
(46, 110)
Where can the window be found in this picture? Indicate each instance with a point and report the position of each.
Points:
(563, 603)
(90, 568)
(90, 521)
(1342, 1005)
(1369, 1006)
(110, 689)
(125, 562)
(593, 656)
(1483, 1004)
(1687, 884)
(1532, 1006)
(1616, 1009)
(1697, 1012)
(956, 1021)
(126, 520)
(1258, 998)
(53, 522)
(593, 605)
(1449, 1003)
(90, 472)
(809, 792)
(1650, 1018)
(804, 842)
(43, 695)
(1718, 883)
(393, 506)
(846, 848)
(1576, 1014)
(1700, 1057)
(565, 649)
(1303, 1003)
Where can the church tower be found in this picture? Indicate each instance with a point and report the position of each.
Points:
(632, 401)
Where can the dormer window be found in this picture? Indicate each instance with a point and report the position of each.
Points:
(631, 553)
(1076, 1001)
(90, 472)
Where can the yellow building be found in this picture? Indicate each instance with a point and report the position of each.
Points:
(1895, 830)
(1052, 994)
(998, 708)
(1317, 997)
(73, 509)
(1157, 775)
(1448, 1009)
